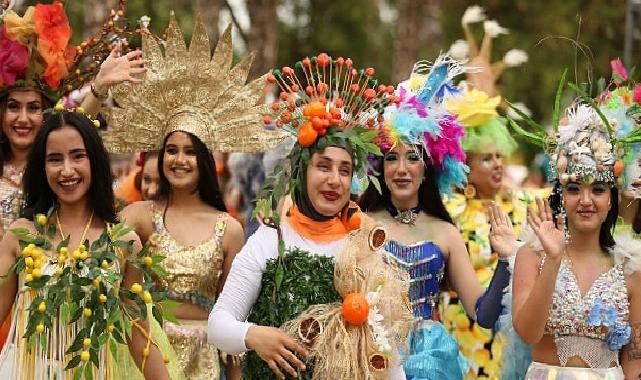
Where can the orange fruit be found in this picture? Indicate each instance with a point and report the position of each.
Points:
(307, 135)
(355, 308)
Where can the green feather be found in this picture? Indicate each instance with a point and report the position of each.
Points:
(557, 102)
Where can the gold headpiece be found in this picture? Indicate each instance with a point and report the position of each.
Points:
(190, 91)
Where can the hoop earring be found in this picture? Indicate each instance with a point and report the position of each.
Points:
(469, 191)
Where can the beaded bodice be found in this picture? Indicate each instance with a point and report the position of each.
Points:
(10, 201)
(425, 264)
(192, 271)
(570, 312)
(592, 326)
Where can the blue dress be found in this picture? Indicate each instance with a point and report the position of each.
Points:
(434, 354)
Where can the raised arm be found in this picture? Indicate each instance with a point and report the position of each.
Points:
(533, 291)
(114, 70)
(486, 306)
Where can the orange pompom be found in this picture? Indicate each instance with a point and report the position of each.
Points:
(314, 108)
(370, 71)
(271, 78)
(618, 168)
(307, 135)
(267, 119)
(355, 309)
(323, 59)
(349, 62)
(294, 87)
(354, 87)
(369, 94)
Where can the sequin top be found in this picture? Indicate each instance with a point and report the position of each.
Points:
(593, 315)
(10, 202)
(425, 263)
(192, 271)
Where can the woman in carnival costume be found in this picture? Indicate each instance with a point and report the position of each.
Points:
(188, 105)
(36, 67)
(423, 158)
(77, 285)
(319, 272)
(576, 290)
(487, 142)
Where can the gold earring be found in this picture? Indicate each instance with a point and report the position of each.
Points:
(469, 191)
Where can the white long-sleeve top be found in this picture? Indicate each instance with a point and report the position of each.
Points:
(227, 326)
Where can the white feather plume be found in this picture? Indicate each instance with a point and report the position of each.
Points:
(515, 57)
(493, 29)
(459, 50)
(627, 250)
(473, 13)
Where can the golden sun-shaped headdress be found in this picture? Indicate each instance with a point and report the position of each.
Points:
(189, 90)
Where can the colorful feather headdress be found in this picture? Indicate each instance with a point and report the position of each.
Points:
(326, 102)
(589, 143)
(189, 90)
(420, 119)
(35, 52)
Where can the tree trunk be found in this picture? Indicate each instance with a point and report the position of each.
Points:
(96, 13)
(209, 11)
(263, 35)
(417, 23)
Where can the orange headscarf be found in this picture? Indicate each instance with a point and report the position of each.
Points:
(323, 231)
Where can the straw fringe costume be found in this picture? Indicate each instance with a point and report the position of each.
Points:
(307, 273)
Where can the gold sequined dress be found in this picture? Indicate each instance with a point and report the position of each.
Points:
(192, 275)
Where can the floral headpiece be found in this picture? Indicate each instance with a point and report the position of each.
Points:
(622, 106)
(35, 52)
(326, 102)
(420, 118)
(189, 90)
(483, 125)
(589, 143)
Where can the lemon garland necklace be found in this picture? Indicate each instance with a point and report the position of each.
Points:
(83, 296)
(81, 251)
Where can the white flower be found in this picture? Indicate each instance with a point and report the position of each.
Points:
(459, 50)
(515, 57)
(474, 13)
(493, 28)
(144, 21)
(375, 319)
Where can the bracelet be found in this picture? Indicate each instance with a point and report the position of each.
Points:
(96, 94)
